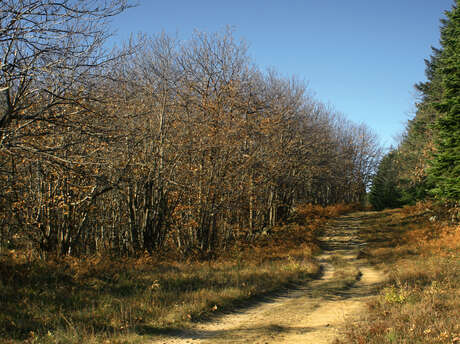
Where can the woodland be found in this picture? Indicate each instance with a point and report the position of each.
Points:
(161, 146)
(426, 163)
(151, 186)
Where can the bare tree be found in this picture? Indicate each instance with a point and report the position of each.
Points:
(51, 61)
(182, 147)
(50, 50)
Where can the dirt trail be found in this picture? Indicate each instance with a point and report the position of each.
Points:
(314, 313)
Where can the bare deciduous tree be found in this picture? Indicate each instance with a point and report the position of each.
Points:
(181, 147)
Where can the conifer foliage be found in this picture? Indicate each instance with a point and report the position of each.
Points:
(427, 160)
(385, 192)
(445, 170)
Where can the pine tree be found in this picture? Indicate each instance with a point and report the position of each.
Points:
(384, 190)
(416, 146)
(445, 170)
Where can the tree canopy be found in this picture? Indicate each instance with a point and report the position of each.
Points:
(445, 170)
(165, 146)
(427, 160)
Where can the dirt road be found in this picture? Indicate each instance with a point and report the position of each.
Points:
(314, 313)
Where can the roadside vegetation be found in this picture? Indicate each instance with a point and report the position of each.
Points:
(419, 247)
(426, 162)
(166, 146)
(168, 180)
(101, 298)
(157, 183)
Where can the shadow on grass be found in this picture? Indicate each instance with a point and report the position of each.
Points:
(230, 335)
(36, 297)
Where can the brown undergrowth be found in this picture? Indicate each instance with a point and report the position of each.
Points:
(106, 299)
(420, 248)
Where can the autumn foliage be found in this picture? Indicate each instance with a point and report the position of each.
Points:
(165, 147)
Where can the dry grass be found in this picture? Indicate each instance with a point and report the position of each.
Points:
(72, 300)
(104, 299)
(307, 212)
(421, 303)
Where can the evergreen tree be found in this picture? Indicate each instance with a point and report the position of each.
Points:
(445, 170)
(416, 147)
(384, 190)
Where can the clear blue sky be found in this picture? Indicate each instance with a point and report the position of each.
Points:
(361, 56)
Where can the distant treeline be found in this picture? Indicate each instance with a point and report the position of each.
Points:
(426, 164)
(164, 145)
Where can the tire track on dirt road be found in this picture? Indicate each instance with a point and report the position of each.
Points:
(314, 313)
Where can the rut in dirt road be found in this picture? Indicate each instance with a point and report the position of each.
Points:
(314, 313)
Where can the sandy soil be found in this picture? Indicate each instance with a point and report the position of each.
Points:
(314, 313)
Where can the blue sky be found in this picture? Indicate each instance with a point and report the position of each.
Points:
(361, 56)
